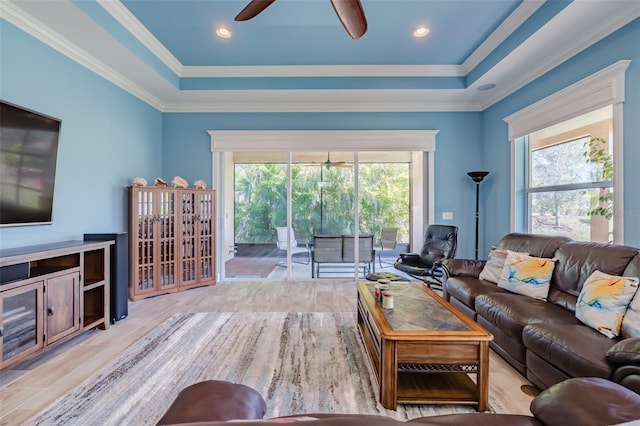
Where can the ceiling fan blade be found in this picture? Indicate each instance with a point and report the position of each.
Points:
(351, 15)
(341, 164)
(252, 9)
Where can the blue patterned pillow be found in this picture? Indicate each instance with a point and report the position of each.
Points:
(603, 301)
(527, 275)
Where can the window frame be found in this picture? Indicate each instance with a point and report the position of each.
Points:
(422, 144)
(601, 89)
(529, 190)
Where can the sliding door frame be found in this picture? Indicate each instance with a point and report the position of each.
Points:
(421, 143)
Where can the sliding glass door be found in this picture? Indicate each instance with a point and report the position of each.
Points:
(282, 200)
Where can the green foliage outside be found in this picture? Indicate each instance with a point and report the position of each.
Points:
(568, 212)
(560, 164)
(596, 155)
(322, 200)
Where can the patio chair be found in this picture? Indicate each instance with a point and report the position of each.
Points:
(281, 232)
(440, 243)
(387, 242)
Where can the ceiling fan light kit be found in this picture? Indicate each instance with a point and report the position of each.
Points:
(350, 13)
(421, 31)
(223, 32)
(328, 164)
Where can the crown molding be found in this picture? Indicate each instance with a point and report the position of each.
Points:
(325, 71)
(16, 16)
(139, 31)
(523, 69)
(591, 33)
(334, 140)
(605, 87)
(504, 30)
(320, 101)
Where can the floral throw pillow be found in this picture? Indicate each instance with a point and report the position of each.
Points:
(527, 275)
(493, 268)
(603, 301)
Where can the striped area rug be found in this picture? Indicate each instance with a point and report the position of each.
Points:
(299, 362)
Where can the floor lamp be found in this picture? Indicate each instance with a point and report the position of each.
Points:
(477, 178)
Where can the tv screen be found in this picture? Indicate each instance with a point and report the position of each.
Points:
(28, 153)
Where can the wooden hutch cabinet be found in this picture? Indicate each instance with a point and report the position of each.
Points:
(50, 293)
(172, 238)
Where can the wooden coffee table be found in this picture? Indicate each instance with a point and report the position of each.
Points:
(423, 351)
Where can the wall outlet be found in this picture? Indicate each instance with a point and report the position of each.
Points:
(447, 215)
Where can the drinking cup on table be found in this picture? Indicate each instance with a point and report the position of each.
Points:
(377, 293)
(387, 299)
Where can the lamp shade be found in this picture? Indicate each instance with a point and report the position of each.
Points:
(477, 176)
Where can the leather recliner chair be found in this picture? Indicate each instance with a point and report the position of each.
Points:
(440, 243)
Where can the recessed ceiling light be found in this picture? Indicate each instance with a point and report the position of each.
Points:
(485, 87)
(223, 32)
(421, 31)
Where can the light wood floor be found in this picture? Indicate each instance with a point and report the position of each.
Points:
(31, 386)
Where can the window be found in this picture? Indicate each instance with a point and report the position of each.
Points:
(566, 193)
(566, 116)
(570, 186)
(413, 147)
(323, 196)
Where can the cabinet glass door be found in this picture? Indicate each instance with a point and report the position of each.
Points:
(166, 223)
(206, 229)
(196, 254)
(146, 218)
(21, 321)
(188, 230)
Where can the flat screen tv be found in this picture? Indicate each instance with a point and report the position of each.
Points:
(28, 154)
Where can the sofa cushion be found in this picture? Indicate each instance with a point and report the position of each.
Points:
(586, 401)
(626, 351)
(466, 289)
(511, 312)
(603, 301)
(576, 349)
(527, 275)
(578, 259)
(535, 244)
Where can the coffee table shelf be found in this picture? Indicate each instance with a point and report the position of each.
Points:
(424, 351)
(436, 388)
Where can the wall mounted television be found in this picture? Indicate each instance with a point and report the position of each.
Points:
(28, 156)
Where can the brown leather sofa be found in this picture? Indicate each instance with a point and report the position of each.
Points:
(543, 339)
(582, 401)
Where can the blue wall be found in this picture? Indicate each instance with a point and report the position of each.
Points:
(107, 138)
(187, 149)
(621, 45)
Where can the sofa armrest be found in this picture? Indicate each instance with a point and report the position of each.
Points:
(586, 401)
(464, 267)
(412, 259)
(626, 351)
(215, 400)
(625, 358)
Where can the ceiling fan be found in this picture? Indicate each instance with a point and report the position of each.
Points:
(328, 164)
(350, 12)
